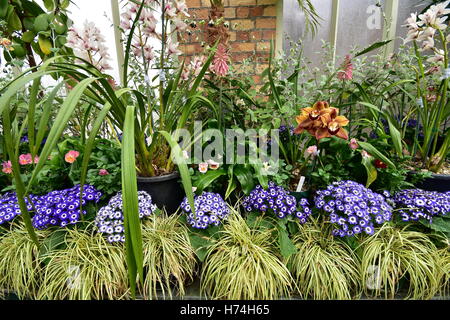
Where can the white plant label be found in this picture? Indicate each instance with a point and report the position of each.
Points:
(300, 184)
(446, 74)
(373, 280)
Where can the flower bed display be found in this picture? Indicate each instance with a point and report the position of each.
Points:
(305, 187)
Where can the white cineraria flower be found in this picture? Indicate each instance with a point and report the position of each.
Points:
(411, 36)
(441, 8)
(426, 34)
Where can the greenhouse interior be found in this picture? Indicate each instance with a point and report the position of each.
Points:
(220, 150)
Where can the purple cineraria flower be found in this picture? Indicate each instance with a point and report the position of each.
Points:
(62, 207)
(109, 219)
(57, 208)
(353, 208)
(278, 201)
(414, 204)
(210, 209)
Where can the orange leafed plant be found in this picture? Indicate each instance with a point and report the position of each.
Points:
(322, 121)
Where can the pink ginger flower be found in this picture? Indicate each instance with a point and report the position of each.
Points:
(347, 69)
(71, 156)
(213, 165)
(7, 167)
(220, 64)
(25, 159)
(103, 172)
(182, 8)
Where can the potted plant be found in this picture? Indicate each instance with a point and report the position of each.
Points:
(429, 33)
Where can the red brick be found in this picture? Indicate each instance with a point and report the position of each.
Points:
(255, 35)
(270, 11)
(256, 11)
(242, 46)
(242, 12)
(230, 13)
(193, 3)
(267, 23)
(268, 35)
(199, 13)
(243, 35)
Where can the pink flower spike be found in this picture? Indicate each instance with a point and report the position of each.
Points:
(25, 159)
(347, 69)
(220, 64)
(71, 156)
(7, 167)
(103, 172)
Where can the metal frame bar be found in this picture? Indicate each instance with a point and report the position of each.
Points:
(390, 25)
(117, 37)
(334, 26)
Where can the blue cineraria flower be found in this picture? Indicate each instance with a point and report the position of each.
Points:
(353, 208)
(57, 208)
(62, 207)
(109, 219)
(9, 206)
(278, 201)
(414, 204)
(210, 209)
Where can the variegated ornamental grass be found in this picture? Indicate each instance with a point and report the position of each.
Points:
(324, 267)
(243, 264)
(403, 254)
(19, 266)
(169, 259)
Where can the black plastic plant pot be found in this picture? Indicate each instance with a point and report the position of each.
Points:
(166, 191)
(437, 182)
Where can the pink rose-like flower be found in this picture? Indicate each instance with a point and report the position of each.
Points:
(7, 167)
(71, 156)
(353, 144)
(25, 159)
(203, 167)
(312, 152)
(103, 172)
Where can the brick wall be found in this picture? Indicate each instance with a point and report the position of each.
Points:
(252, 25)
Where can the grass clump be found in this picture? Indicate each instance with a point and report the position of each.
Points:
(88, 268)
(324, 267)
(401, 256)
(19, 264)
(169, 259)
(243, 264)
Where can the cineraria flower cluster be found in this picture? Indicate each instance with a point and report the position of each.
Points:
(422, 28)
(9, 207)
(57, 208)
(353, 208)
(109, 220)
(210, 209)
(62, 207)
(415, 204)
(277, 200)
(89, 44)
